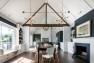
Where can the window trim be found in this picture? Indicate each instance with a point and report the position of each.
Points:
(9, 27)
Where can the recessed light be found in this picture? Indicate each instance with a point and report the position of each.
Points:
(80, 12)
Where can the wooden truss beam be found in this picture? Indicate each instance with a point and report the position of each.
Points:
(34, 13)
(57, 13)
(46, 25)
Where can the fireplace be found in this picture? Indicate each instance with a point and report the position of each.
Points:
(82, 52)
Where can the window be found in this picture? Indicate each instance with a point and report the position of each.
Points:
(6, 37)
(0, 38)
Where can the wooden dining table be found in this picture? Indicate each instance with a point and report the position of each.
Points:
(42, 49)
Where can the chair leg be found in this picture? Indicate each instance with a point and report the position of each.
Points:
(36, 56)
(53, 59)
(50, 59)
(42, 60)
(57, 56)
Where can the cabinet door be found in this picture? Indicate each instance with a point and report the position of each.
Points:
(70, 47)
(62, 45)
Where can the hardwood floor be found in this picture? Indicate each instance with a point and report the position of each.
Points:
(28, 57)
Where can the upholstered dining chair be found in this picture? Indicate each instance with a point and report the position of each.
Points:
(49, 54)
(56, 52)
(33, 50)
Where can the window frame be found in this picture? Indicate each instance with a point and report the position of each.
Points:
(13, 34)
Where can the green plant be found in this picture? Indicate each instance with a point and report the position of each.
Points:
(36, 40)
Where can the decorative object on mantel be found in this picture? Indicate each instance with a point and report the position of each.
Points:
(83, 30)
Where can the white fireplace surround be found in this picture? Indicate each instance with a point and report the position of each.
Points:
(89, 40)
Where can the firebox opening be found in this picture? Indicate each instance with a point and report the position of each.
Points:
(81, 51)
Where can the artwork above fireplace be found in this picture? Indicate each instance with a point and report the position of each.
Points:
(83, 30)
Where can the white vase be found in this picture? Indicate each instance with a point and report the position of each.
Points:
(1, 51)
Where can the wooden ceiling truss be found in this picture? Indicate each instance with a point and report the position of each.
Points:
(45, 25)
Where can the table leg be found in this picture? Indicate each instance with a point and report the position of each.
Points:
(38, 55)
(54, 55)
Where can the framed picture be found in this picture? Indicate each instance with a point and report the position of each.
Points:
(83, 30)
(45, 39)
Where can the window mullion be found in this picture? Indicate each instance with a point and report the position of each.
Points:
(1, 37)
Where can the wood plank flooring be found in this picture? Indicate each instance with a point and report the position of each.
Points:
(28, 57)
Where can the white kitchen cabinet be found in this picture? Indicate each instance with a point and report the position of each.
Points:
(70, 47)
(62, 45)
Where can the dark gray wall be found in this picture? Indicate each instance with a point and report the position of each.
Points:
(84, 18)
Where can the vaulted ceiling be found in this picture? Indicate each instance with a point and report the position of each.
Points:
(70, 10)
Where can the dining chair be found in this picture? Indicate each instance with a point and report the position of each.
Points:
(34, 50)
(49, 54)
(56, 52)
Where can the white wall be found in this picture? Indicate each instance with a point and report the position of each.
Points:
(17, 34)
(51, 31)
(54, 31)
(26, 37)
(31, 40)
(22, 46)
(66, 37)
(47, 34)
(44, 34)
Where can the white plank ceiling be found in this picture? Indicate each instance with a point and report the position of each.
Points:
(13, 9)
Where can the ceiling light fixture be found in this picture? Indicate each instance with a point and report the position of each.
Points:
(46, 28)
